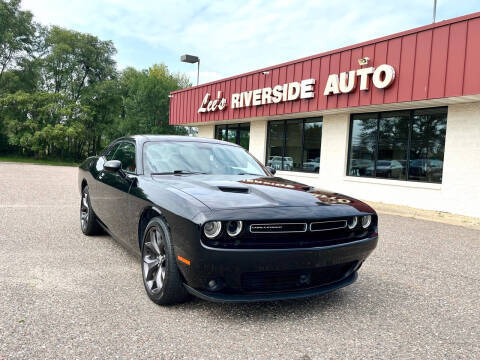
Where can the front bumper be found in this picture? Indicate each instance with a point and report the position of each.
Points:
(271, 274)
(229, 298)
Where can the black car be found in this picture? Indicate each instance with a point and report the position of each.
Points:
(208, 219)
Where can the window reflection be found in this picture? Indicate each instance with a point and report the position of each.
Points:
(363, 145)
(292, 159)
(312, 135)
(392, 145)
(244, 135)
(401, 145)
(221, 132)
(125, 152)
(427, 146)
(295, 144)
(234, 133)
(276, 133)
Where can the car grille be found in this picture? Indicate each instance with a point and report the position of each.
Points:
(293, 234)
(328, 225)
(275, 228)
(271, 281)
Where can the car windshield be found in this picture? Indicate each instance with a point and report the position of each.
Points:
(198, 157)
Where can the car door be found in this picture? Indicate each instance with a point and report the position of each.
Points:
(115, 188)
(96, 187)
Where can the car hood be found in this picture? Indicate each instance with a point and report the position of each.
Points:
(233, 192)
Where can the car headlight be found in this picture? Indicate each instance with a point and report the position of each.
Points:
(234, 228)
(366, 221)
(212, 229)
(352, 222)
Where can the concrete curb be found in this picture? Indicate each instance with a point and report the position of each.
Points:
(429, 215)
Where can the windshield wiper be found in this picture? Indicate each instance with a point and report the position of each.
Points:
(247, 173)
(179, 172)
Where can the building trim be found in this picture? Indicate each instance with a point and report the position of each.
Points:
(353, 110)
(392, 182)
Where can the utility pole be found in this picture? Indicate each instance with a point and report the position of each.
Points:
(434, 10)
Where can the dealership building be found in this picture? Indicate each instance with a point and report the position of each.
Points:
(393, 120)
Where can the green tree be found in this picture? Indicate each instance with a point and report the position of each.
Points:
(145, 100)
(105, 104)
(61, 94)
(74, 61)
(44, 124)
(17, 32)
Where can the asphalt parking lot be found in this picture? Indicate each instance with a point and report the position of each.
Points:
(64, 295)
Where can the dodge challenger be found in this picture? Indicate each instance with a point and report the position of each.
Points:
(207, 219)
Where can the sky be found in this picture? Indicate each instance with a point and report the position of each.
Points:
(233, 37)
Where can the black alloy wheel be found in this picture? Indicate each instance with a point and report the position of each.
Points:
(161, 277)
(88, 220)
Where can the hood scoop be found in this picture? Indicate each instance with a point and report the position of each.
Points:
(234, 189)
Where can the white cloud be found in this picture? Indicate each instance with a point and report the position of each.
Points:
(233, 37)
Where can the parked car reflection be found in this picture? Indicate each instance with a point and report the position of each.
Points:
(421, 169)
(387, 169)
(276, 162)
(358, 167)
(312, 165)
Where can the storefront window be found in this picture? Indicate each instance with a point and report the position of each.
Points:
(363, 143)
(244, 135)
(427, 146)
(294, 145)
(392, 145)
(221, 132)
(234, 133)
(400, 145)
(312, 137)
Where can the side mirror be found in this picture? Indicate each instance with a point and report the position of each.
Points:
(271, 170)
(112, 165)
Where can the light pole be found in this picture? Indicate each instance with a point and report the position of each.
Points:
(191, 59)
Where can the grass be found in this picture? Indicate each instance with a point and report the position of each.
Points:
(30, 160)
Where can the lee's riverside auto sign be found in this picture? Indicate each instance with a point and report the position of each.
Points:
(346, 82)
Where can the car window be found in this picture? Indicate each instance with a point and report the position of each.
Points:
(108, 153)
(125, 152)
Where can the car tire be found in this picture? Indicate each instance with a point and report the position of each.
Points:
(161, 277)
(88, 219)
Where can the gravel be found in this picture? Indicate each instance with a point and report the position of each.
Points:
(65, 295)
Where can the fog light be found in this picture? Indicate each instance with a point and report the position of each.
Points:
(352, 222)
(216, 284)
(234, 228)
(366, 221)
(212, 229)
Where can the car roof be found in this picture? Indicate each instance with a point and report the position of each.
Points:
(145, 137)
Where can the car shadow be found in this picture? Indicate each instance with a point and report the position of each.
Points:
(272, 310)
(372, 295)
